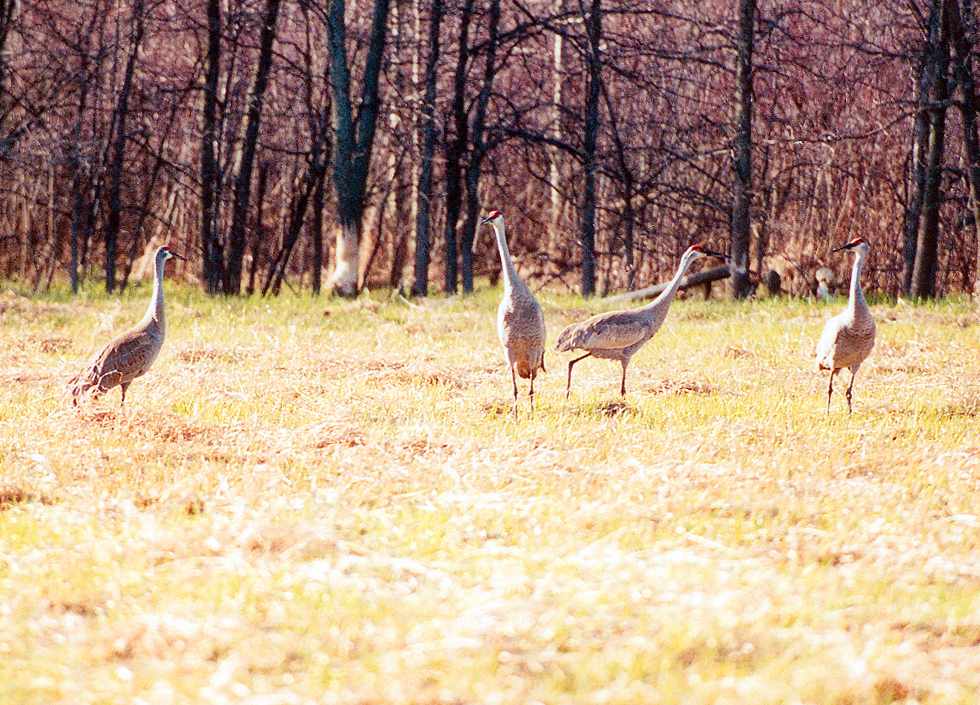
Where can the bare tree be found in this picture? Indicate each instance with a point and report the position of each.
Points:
(927, 244)
(420, 286)
(213, 259)
(962, 44)
(243, 178)
(742, 152)
(479, 149)
(594, 60)
(354, 135)
(120, 117)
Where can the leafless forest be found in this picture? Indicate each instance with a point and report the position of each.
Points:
(323, 144)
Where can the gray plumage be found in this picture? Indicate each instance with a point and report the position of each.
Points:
(617, 335)
(848, 337)
(520, 321)
(131, 354)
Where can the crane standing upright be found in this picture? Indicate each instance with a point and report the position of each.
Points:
(131, 354)
(520, 322)
(617, 335)
(848, 337)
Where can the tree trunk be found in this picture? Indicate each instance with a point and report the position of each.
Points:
(75, 157)
(742, 173)
(315, 171)
(927, 242)
(920, 143)
(962, 43)
(689, 280)
(475, 166)
(259, 228)
(243, 179)
(424, 195)
(354, 137)
(119, 151)
(317, 232)
(211, 272)
(555, 154)
(455, 150)
(8, 11)
(587, 235)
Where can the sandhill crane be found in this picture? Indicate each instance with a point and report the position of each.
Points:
(617, 335)
(131, 354)
(825, 280)
(520, 322)
(849, 336)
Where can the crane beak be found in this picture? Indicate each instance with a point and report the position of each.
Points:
(174, 254)
(486, 220)
(842, 247)
(712, 253)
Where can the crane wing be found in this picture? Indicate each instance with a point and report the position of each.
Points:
(607, 331)
(828, 343)
(126, 357)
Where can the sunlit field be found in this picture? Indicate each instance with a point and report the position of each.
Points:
(328, 501)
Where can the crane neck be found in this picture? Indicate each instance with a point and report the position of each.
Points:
(510, 273)
(856, 299)
(154, 312)
(667, 295)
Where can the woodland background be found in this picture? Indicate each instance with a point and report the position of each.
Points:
(323, 144)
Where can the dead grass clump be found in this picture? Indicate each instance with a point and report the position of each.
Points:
(11, 495)
(48, 343)
(380, 365)
(327, 435)
(675, 386)
(733, 352)
(496, 409)
(173, 429)
(890, 690)
(426, 448)
(967, 407)
(615, 408)
(943, 635)
(450, 379)
(98, 417)
(193, 505)
(32, 309)
(80, 608)
(209, 355)
(25, 377)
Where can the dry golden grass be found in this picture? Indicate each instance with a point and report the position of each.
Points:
(305, 508)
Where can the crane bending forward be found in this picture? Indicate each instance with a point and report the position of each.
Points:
(617, 335)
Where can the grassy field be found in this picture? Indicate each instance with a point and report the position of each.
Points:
(303, 504)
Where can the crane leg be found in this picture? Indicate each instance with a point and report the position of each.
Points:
(571, 363)
(122, 390)
(830, 389)
(849, 388)
(622, 382)
(532, 394)
(513, 379)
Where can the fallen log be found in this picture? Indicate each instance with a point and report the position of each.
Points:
(705, 277)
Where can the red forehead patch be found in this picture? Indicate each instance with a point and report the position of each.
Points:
(856, 241)
(493, 214)
(697, 247)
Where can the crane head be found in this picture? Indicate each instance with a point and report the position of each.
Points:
(702, 251)
(491, 216)
(856, 242)
(167, 253)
